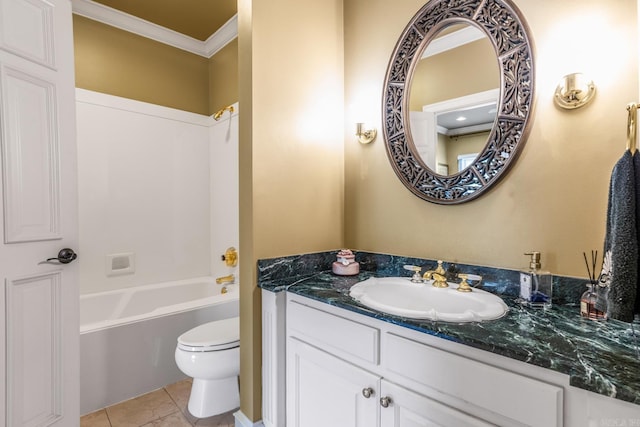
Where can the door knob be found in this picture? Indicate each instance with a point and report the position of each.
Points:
(65, 256)
(367, 392)
(385, 401)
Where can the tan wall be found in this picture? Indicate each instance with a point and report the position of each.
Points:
(464, 144)
(116, 62)
(450, 74)
(113, 61)
(250, 305)
(223, 77)
(554, 199)
(291, 149)
(441, 151)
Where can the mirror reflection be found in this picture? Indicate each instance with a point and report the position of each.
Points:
(453, 98)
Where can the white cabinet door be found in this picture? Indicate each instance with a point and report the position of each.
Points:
(39, 330)
(324, 391)
(404, 408)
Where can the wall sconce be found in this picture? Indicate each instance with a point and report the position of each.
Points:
(365, 136)
(574, 91)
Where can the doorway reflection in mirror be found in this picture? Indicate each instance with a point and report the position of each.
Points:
(453, 98)
(456, 127)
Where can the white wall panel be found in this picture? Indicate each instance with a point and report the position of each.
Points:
(225, 213)
(143, 188)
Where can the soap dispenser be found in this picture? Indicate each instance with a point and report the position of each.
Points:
(536, 286)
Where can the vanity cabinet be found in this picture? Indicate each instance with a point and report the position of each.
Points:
(343, 369)
(323, 390)
(328, 366)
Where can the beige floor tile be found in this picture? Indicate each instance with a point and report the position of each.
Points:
(95, 419)
(189, 417)
(180, 392)
(142, 410)
(222, 420)
(176, 419)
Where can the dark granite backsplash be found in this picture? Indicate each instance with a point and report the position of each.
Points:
(566, 290)
(294, 266)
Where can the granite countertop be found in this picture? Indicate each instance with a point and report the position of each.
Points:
(601, 357)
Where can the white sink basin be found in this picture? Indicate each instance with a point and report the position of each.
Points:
(401, 297)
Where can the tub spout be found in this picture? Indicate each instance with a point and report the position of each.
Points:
(226, 279)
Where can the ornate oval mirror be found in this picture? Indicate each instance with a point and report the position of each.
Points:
(496, 88)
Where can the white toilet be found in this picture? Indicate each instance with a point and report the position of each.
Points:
(210, 354)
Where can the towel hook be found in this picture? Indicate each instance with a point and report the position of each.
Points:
(632, 128)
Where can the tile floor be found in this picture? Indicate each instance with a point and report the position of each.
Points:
(166, 407)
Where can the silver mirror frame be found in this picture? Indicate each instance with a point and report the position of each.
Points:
(509, 35)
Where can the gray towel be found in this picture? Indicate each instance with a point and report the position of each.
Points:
(621, 242)
(636, 168)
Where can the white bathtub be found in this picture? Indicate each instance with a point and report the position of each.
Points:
(128, 336)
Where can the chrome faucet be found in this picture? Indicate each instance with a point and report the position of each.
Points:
(416, 278)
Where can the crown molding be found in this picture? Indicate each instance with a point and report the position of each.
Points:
(223, 36)
(124, 21)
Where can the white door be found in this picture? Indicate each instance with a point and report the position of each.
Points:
(323, 390)
(404, 408)
(39, 330)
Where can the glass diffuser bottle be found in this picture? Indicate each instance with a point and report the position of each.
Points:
(588, 304)
(593, 301)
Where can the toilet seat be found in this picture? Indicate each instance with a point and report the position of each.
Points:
(213, 336)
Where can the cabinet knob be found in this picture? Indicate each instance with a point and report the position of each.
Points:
(367, 392)
(385, 401)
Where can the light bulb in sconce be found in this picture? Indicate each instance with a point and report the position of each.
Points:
(365, 136)
(574, 91)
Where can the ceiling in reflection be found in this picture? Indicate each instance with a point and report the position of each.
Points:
(467, 118)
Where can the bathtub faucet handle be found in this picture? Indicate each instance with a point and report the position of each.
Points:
(230, 257)
(226, 279)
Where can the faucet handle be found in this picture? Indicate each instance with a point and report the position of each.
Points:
(464, 285)
(416, 272)
(473, 277)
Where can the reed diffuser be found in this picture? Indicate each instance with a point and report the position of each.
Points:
(590, 296)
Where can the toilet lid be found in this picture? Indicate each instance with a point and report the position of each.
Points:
(217, 335)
